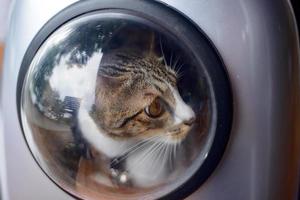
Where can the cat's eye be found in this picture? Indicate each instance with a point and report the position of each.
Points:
(155, 109)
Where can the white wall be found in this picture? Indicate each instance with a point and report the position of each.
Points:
(4, 10)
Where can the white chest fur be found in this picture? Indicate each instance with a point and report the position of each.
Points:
(95, 136)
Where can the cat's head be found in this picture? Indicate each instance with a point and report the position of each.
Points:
(137, 96)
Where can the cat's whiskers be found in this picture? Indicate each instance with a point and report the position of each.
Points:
(144, 141)
(173, 154)
(170, 63)
(154, 149)
(160, 156)
(132, 149)
(175, 65)
(150, 152)
(157, 146)
(138, 146)
(177, 147)
(162, 52)
(170, 157)
(168, 154)
(178, 70)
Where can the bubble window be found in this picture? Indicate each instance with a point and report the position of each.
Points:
(116, 106)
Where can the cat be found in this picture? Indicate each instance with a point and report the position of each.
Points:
(138, 117)
(126, 116)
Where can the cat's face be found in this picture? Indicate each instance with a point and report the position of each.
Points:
(136, 96)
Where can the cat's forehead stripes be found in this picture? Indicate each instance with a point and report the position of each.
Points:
(150, 66)
(157, 87)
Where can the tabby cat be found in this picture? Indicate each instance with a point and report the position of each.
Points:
(138, 118)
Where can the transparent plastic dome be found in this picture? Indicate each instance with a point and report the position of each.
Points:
(113, 107)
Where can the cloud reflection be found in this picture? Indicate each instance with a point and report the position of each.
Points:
(76, 80)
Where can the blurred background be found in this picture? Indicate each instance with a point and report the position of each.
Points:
(4, 11)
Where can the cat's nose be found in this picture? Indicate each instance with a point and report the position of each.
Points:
(189, 121)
